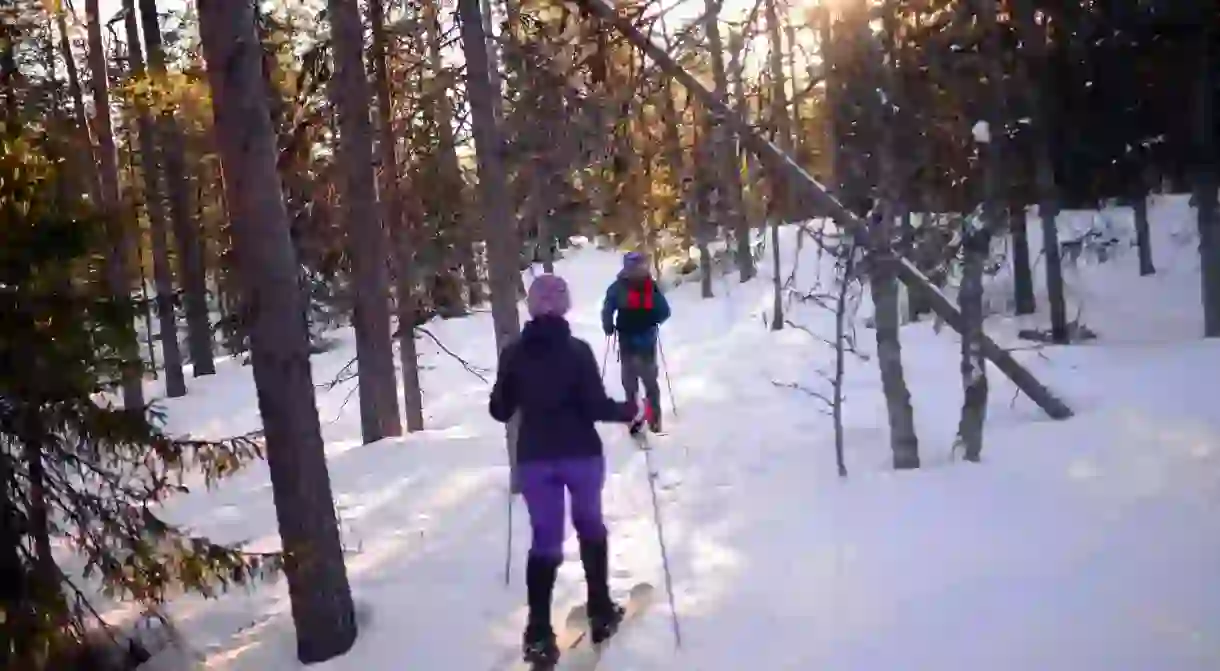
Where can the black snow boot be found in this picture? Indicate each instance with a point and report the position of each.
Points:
(538, 643)
(604, 614)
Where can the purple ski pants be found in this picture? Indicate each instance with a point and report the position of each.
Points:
(542, 485)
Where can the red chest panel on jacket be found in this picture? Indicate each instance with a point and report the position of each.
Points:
(640, 298)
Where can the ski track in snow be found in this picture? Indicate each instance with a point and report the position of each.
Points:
(1089, 544)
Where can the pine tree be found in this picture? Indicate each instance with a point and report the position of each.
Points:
(74, 468)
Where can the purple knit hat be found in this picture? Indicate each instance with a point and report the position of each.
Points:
(635, 264)
(548, 295)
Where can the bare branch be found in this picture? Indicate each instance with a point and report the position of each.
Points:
(345, 374)
(806, 390)
(474, 370)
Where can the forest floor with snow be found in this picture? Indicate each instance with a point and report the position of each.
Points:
(1086, 544)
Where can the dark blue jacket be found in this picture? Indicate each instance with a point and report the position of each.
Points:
(637, 328)
(551, 377)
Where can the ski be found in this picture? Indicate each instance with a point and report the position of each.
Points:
(586, 658)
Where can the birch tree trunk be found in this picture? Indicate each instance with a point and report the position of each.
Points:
(118, 270)
(193, 274)
(392, 199)
(163, 274)
(322, 607)
(366, 236)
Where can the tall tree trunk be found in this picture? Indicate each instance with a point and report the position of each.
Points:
(833, 93)
(498, 219)
(1206, 181)
(92, 186)
(1143, 233)
(322, 607)
(975, 249)
(45, 572)
(675, 158)
(146, 305)
(704, 202)
(797, 133)
(780, 202)
(397, 223)
(728, 168)
(366, 236)
(1022, 268)
(192, 273)
(163, 273)
(118, 271)
(463, 228)
(493, 58)
(1033, 39)
(18, 636)
(977, 236)
(147, 316)
(548, 165)
(883, 281)
(750, 191)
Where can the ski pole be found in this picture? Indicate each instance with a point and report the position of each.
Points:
(656, 516)
(514, 488)
(605, 358)
(508, 554)
(665, 367)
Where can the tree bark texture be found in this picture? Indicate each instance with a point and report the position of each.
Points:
(192, 272)
(322, 607)
(163, 273)
(366, 236)
(393, 196)
(498, 219)
(118, 266)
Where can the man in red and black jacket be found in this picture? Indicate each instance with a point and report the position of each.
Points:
(636, 308)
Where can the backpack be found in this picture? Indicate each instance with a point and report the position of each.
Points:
(637, 299)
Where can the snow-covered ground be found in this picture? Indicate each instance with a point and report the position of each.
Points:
(1086, 544)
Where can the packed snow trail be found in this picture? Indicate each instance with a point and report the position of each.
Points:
(1090, 544)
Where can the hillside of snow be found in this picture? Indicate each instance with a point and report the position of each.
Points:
(1090, 544)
